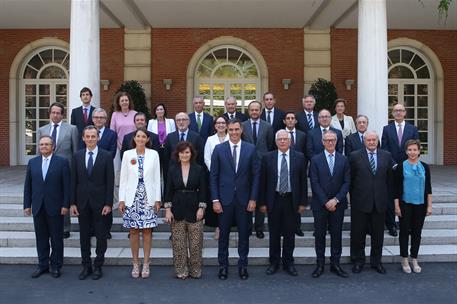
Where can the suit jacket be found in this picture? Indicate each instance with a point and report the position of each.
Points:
(349, 126)
(228, 185)
(278, 119)
(326, 186)
(169, 126)
(353, 143)
(95, 189)
(302, 121)
(389, 140)
(53, 192)
(207, 128)
(129, 177)
(108, 142)
(185, 203)
(370, 191)
(77, 119)
(67, 142)
(269, 179)
(127, 142)
(238, 115)
(300, 142)
(173, 140)
(314, 144)
(265, 136)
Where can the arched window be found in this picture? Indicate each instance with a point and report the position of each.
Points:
(227, 71)
(44, 80)
(410, 84)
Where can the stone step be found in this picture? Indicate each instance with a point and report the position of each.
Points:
(257, 256)
(26, 223)
(161, 239)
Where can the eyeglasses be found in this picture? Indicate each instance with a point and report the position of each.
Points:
(329, 140)
(98, 117)
(182, 119)
(325, 116)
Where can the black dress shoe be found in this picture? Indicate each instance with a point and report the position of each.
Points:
(318, 271)
(393, 231)
(87, 270)
(66, 235)
(379, 268)
(243, 272)
(38, 272)
(223, 273)
(97, 274)
(55, 273)
(259, 234)
(299, 232)
(336, 269)
(272, 269)
(290, 269)
(357, 268)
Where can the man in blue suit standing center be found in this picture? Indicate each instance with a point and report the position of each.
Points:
(234, 183)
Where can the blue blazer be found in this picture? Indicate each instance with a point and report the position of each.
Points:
(278, 119)
(326, 186)
(108, 142)
(314, 144)
(207, 128)
(389, 140)
(53, 192)
(227, 185)
(269, 179)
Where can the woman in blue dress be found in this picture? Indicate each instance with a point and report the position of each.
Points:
(139, 196)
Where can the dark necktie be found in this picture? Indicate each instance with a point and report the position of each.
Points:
(361, 138)
(182, 137)
(85, 116)
(234, 156)
(54, 135)
(331, 163)
(254, 132)
(231, 116)
(284, 176)
(269, 117)
(292, 139)
(90, 163)
(310, 121)
(372, 163)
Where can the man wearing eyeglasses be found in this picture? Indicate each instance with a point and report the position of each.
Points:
(107, 138)
(314, 144)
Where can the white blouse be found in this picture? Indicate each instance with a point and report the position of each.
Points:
(211, 143)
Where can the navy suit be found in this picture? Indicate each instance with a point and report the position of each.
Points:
(108, 141)
(77, 119)
(46, 198)
(326, 186)
(238, 115)
(314, 144)
(352, 143)
(207, 128)
(302, 121)
(278, 119)
(282, 209)
(234, 189)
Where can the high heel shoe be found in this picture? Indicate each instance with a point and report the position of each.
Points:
(145, 272)
(136, 271)
(405, 265)
(416, 267)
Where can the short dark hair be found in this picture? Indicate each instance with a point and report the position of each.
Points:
(257, 102)
(266, 93)
(57, 104)
(289, 112)
(133, 143)
(235, 121)
(153, 113)
(182, 146)
(89, 127)
(220, 116)
(85, 89)
(118, 96)
(139, 114)
(337, 101)
(412, 142)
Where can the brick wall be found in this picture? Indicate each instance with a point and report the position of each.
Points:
(12, 41)
(443, 44)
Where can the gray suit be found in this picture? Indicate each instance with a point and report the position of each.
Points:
(67, 145)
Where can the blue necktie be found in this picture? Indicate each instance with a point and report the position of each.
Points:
(254, 132)
(331, 163)
(44, 167)
(182, 136)
(372, 163)
(310, 121)
(54, 135)
(90, 163)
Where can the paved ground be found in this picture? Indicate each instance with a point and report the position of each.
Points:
(436, 284)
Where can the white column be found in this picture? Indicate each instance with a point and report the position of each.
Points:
(84, 51)
(372, 63)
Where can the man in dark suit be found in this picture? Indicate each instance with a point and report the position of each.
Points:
(92, 184)
(297, 143)
(47, 196)
(394, 137)
(232, 113)
(107, 138)
(371, 172)
(82, 116)
(355, 141)
(234, 185)
(201, 122)
(65, 138)
(259, 133)
(330, 179)
(271, 114)
(283, 193)
(140, 122)
(307, 119)
(314, 144)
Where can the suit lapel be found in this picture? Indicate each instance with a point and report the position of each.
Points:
(61, 136)
(393, 130)
(366, 160)
(229, 156)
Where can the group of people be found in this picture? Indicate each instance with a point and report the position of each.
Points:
(222, 171)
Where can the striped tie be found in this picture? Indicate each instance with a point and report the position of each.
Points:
(372, 163)
(331, 163)
(310, 121)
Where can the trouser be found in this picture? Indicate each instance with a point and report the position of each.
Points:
(48, 227)
(259, 219)
(411, 222)
(187, 243)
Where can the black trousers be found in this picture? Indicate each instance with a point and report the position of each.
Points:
(324, 219)
(359, 221)
(411, 222)
(281, 222)
(48, 228)
(259, 220)
(91, 220)
(234, 212)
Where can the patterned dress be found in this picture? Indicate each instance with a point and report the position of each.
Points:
(140, 215)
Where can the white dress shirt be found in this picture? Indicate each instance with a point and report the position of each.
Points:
(57, 131)
(94, 156)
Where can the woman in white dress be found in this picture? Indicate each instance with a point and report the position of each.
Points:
(340, 121)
